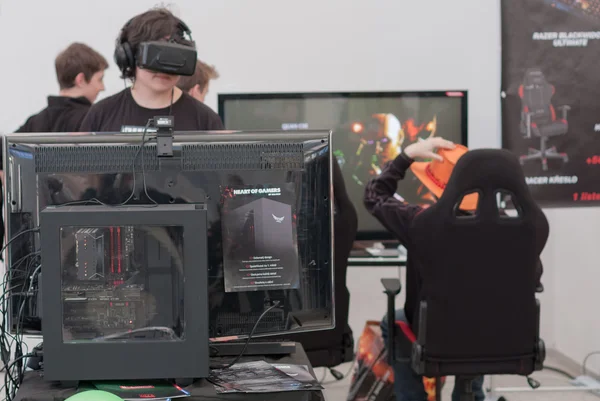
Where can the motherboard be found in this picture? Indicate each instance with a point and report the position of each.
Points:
(103, 290)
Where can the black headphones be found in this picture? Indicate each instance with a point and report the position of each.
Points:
(125, 54)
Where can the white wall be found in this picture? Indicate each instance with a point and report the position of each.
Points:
(270, 45)
(316, 45)
(572, 285)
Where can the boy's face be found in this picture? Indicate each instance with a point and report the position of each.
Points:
(156, 81)
(92, 88)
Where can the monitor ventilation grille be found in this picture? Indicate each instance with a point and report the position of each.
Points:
(242, 323)
(94, 159)
(194, 157)
(246, 156)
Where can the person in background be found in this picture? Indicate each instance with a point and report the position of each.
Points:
(396, 216)
(152, 93)
(80, 74)
(197, 85)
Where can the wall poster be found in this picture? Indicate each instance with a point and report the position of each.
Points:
(551, 97)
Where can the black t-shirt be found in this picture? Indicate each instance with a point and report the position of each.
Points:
(120, 113)
(63, 114)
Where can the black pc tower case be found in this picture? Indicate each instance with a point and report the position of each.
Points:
(125, 292)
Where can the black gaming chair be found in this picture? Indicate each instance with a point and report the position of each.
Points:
(538, 117)
(478, 311)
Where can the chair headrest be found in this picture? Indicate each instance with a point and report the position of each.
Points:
(487, 172)
(534, 76)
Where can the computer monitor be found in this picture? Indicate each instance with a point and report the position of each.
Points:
(269, 212)
(369, 129)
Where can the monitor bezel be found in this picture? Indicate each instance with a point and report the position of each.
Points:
(361, 235)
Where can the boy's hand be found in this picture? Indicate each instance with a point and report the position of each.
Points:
(426, 149)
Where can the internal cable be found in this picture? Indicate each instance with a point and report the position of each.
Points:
(560, 371)
(30, 230)
(15, 369)
(132, 194)
(227, 366)
(337, 375)
(150, 121)
(584, 369)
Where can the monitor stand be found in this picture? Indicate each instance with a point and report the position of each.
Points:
(269, 347)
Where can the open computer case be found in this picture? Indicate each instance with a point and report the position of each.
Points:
(246, 182)
(124, 288)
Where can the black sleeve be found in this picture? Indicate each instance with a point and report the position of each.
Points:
(215, 123)
(78, 120)
(394, 214)
(539, 271)
(90, 122)
(26, 127)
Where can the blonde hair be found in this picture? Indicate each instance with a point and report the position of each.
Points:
(203, 74)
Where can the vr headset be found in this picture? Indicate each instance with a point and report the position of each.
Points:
(168, 57)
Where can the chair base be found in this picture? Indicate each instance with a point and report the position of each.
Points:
(466, 388)
(544, 156)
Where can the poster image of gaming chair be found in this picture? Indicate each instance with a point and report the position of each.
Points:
(538, 117)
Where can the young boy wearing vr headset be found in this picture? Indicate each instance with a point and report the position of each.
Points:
(152, 51)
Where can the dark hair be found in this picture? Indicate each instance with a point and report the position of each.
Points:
(202, 75)
(75, 59)
(153, 25)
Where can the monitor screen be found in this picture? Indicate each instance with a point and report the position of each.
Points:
(269, 209)
(369, 130)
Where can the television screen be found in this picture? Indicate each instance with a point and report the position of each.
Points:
(369, 130)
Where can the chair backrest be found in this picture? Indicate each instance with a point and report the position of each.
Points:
(536, 97)
(478, 271)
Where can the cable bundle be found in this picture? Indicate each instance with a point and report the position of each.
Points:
(24, 272)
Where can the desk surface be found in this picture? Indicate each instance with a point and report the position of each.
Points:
(399, 260)
(366, 254)
(35, 388)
